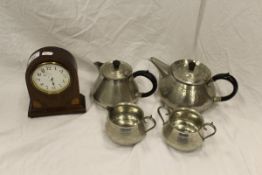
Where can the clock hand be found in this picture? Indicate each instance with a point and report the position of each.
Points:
(53, 83)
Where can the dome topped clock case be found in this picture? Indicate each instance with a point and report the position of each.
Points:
(52, 83)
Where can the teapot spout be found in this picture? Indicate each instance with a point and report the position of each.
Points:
(98, 64)
(161, 66)
(109, 108)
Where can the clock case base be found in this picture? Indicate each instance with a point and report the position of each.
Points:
(73, 109)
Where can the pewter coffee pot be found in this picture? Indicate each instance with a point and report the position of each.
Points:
(116, 84)
(188, 83)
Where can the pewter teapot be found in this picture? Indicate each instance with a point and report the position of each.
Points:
(188, 83)
(116, 84)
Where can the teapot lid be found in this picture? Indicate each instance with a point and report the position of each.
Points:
(190, 72)
(116, 70)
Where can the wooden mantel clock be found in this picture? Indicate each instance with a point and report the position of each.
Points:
(52, 83)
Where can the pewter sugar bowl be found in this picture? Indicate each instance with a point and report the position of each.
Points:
(185, 129)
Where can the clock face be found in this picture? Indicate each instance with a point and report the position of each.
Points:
(51, 78)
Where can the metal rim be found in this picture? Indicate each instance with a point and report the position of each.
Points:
(185, 109)
(110, 119)
(45, 91)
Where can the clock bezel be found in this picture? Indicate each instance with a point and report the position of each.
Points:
(45, 91)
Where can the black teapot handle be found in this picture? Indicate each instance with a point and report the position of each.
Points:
(232, 80)
(151, 77)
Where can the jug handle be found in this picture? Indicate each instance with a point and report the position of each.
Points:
(160, 115)
(149, 76)
(232, 80)
(151, 119)
(204, 127)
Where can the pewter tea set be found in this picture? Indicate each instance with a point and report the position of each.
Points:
(186, 89)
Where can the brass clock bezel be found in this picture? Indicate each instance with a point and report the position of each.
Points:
(46, 91)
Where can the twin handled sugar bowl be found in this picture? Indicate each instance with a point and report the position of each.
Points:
(185, 129)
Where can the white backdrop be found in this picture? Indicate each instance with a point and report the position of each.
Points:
(225, 35)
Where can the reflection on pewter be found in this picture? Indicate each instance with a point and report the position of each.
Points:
(184, 130)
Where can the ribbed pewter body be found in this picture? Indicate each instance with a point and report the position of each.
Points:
(177, 94)
(110, 92)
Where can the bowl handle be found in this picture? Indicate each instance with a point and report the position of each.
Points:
(204, 127)
(160, 115)
(151, 119)
(232, 80)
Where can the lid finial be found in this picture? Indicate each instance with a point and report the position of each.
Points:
(116, 64)
(192, 66)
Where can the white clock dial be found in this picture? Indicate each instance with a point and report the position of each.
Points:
(51, 78)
